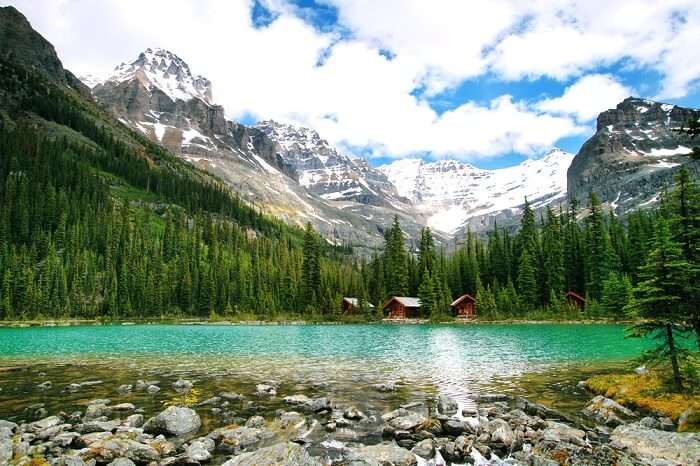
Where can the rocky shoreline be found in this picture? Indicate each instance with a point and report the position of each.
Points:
(496, 429)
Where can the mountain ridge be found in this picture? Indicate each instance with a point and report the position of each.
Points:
(292, 172)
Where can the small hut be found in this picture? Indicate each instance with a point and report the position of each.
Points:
(350, 305)
(575, 299)
(402, 307)
(464, 306)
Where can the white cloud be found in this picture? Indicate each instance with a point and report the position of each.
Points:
(587, 97)
(357, 97)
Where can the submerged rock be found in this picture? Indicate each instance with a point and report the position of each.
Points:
(353, 414)
(305, 403)
(182, 386)
(174, 421)
(263, 390)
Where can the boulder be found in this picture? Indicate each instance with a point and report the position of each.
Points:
(122, 462)
(408, 422)
(501, 433)
(5, 445)
(70, 460)
(230, 396)
(97, 426)
(454, 427)
(97, 410)
(291, 419)
(124, 389)
(113, 447)
(239, 439)
(446, 405)
(608, 412)
(123, 407)
(287, 454)
(255, 421)
(198, 451)
(394, 414)
(174, 421)
(382, 454)
(264, 390)
(353, 414)
(10, 425)
(648, 444)
(425, 448)
(182, 386)
(557, 432)
(153, 389)
(305, 403)
(135, 420)
(385, 387)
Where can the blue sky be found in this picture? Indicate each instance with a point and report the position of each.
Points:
(490, 82)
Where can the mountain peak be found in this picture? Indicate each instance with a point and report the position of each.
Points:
(164, 70)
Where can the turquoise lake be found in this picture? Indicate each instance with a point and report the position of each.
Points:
(543, 361)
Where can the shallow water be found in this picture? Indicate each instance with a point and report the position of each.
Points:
(543, 362)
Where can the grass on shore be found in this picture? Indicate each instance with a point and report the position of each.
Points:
(648, 393)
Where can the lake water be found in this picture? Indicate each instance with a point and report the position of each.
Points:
(541, 361)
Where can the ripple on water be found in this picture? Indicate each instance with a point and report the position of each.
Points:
(452, 359)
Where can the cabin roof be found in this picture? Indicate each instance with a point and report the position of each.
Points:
(575, 296)
(356, 302)
(462, 298)
(406, 301)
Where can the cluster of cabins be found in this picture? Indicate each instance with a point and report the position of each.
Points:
(464, 307)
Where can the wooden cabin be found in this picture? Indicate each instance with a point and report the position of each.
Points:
(575, 299)
(402, 307)
(351, 305)
(464, 306)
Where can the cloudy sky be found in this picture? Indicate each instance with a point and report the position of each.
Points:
(490, 82)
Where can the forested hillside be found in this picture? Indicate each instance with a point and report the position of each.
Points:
(96, 221)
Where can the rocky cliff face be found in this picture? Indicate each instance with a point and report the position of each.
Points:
(288, 171)
(19, 42)
(324, 171)
(633, 154)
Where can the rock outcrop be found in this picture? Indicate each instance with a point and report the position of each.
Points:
(633, 154)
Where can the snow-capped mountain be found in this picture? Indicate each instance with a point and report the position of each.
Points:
(633, 154)
(452, 192)
(161, 69)
(321, 169)
(288, 171)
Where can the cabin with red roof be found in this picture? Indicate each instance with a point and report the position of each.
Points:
(464, 306)
(402, 307)
(575, 299)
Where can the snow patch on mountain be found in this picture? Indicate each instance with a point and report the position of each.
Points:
(161, 69)
(452, 192)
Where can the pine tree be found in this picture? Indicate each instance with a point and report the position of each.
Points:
(598, 254)
(685, 220)
(396, 262)
(426, 294)
(527, 280)
(617, 294)
(661, 298)
(311, 268)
